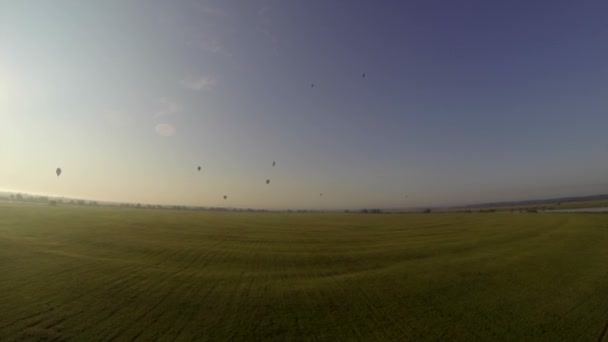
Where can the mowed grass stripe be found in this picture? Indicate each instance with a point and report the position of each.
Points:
(146, 297)
(76, 301)
(180, 278)
(184, 287)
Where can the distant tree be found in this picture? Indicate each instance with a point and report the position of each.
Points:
(138, 205)
(427, 211)
(19, 197)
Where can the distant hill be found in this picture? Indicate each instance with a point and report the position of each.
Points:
(540, 201)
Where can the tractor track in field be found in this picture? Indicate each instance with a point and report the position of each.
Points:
(604, 332)
(74, 299)
(167, 278)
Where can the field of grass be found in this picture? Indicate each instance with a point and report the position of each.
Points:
(95, 273)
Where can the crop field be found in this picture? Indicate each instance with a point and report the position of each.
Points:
(98, 273)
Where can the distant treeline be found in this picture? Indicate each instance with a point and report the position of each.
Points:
(194, 208)
(185, 208)
(542, 201)
(380, 211)
(26, 198)
(364, 211)
(371, 211)
(46, 199)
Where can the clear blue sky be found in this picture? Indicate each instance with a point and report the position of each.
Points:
(463, 101)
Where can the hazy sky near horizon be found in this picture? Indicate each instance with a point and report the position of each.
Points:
(463, 101)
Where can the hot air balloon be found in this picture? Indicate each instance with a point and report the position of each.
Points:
(363, 75)
(273, 163)
(199, 168)
(58, 171)
(312, 85)
(268, 181)
(225, 197)
(320, 194)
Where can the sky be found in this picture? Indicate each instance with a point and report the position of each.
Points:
(462, 101)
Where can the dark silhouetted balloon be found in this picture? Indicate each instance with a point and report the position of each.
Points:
(363, 75)
(312, 85)
(320, 194)
(58, 171)
(273, 163)
(199, 168)
(268, 181)
(225, 197)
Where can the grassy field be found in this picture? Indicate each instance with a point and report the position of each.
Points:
(94, 273)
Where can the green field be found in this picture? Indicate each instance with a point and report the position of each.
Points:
(95, 273)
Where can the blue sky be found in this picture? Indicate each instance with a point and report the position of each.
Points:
(462, 102)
